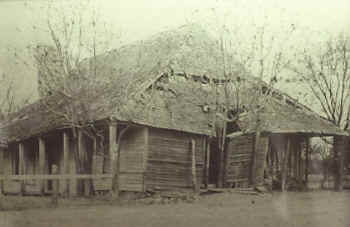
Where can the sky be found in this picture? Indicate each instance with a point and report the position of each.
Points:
(136, 19)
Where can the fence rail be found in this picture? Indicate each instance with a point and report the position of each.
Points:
(55, 177)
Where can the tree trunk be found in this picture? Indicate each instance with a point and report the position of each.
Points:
(285, 165)
(338, 147)
(253, 163)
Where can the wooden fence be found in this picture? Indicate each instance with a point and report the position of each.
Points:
(56, 177)
(18, 182)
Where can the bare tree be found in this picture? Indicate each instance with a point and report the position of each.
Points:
(251, 68)
(77, 84)
(326, 74)
(10, 101)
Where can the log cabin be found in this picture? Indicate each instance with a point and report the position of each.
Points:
(164, 136)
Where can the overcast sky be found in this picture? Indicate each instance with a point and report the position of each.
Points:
(137, 19)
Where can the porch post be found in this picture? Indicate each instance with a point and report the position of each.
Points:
(21, 165)
(113, 157)
(307, 160)
(66, 161)
(194, 170)
(300, 167)
(207, 163)
(42, 154)
(2, 150)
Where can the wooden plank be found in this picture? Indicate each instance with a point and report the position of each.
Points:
(284, 165)
(193, 168)
(300, 173)
(145, 157)
(66, 160)
(174, 161)
(55, 177)
(307, 158)
(42, 158)
(113, 156)
(2, 171)
(207, 163)
(21, 164)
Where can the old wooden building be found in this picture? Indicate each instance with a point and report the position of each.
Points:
(163, 137)
(282, 146)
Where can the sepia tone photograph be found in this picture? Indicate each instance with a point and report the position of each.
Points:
(174, 113)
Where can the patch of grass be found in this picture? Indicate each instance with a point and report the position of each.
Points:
(22, 202)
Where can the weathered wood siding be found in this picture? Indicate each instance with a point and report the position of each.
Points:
(132, 150)
(238, 160)
(169, 159)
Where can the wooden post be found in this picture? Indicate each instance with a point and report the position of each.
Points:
(253, 164)
(84, 184)
(66, 160)
(94, 169)
(113, 157)
(284, 166)
(194, 175)
(307, 160)
(207, 163)
(21, 165)
(2, 150)
(272, 162)
(300, 173)
(42, 154)
(54, 198)
(145, 157)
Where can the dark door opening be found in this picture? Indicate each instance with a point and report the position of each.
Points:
(214, 162)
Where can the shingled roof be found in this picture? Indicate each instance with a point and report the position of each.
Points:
(281, 117)
(177, 56)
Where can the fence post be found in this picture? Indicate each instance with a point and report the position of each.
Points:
(42, 158)
(1, 170)
(55, 189)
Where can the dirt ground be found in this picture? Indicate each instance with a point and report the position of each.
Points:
(320, 208)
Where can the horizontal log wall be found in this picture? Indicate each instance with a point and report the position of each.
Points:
(238, 161)
(169, 159)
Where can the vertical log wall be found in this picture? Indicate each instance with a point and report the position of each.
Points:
(169, 164)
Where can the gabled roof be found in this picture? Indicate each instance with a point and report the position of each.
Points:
(178, 57)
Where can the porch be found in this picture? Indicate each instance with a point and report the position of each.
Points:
(35, 165)
(254, 160)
